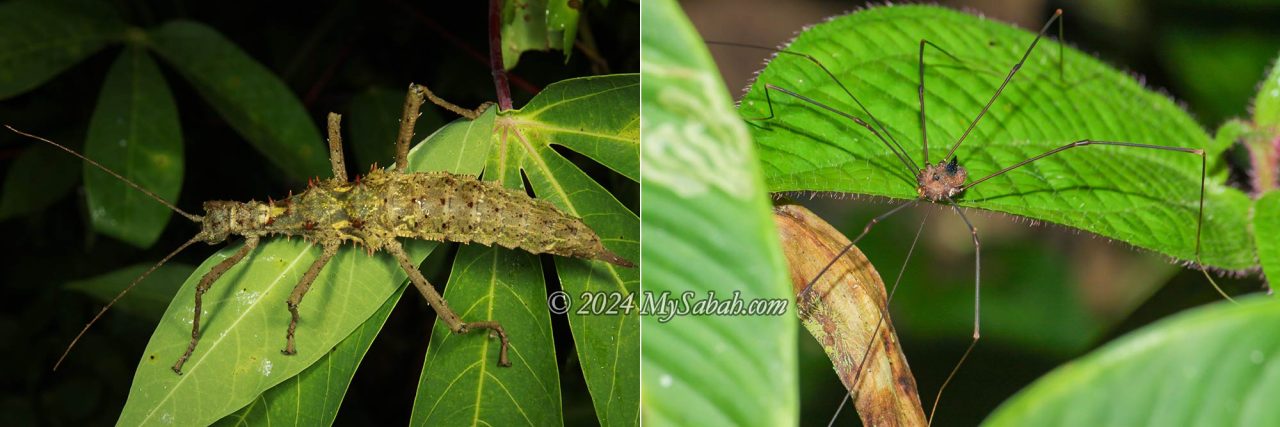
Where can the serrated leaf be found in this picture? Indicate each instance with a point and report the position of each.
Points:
(147, 300)
(598, 117)
(1163, 375)
(245, 316)
(1266, 226)
(461, 383)
(314, 396)
(373, 123)
(538, 25)
(708, 227)
(1147, 198)
(39, 39)
(38, 177)
(246, 94)
(135, 132)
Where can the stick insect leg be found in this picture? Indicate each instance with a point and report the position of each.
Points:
(875, 334)
(442, 309)
(335, 148)
(408, 118)
(1086, 142)
(300, 290)
(469, 114)
(977, 310)
(250, 242)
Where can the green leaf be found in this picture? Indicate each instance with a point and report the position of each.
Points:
(1266, 106)
(373, 123)
(39, 39)
(39, 176)
(1147, 198)
(1266, 226)
(314, 396)
(708, 227)
(1210, 366)
(538, 25)
(461, 382)
(245, 316)
(252, 99)
(147, 300)
(597, 117)
(135, 132)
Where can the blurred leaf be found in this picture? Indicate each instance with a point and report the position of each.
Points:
(147, 300)
(1231, 132)
(373, 125)
(248, 95)
(313, 396)
(1266, 226)
(1266, 104)
(38, 177)
(135, 132)
(699, 166)
(538, 25)
(41, 38)
(245, 318)
(460, 382)
(1210, 366)
(1147, 198)
(1208, 65)
(586, 115)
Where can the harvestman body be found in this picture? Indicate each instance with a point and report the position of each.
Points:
(946, 180)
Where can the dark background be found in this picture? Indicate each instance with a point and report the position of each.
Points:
(326, 54)
(1049, 294)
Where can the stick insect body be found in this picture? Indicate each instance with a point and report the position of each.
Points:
(374, 211)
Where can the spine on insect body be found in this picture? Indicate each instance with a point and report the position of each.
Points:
(437, 206)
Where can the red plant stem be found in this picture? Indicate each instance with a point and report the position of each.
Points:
(495, 56)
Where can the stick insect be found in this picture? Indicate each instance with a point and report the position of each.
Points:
(374, 211)
(946, 181)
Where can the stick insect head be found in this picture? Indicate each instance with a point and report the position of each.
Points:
(941, 181)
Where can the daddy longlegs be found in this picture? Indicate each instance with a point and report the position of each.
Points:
(945, 181)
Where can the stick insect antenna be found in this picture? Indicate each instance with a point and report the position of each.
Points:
(1056, 14)
(121, 295)
(195, 218)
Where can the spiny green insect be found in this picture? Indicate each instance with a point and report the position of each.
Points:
(374, 211)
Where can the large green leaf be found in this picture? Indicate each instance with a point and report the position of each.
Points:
(1148, 198)
(41, 38)
(1266, 225)
(134, 131)
(252, 99)
(582, 115)
(245, 316)
(1212, 366)
(461, 383)
(314, 396)
(538, 25)
(1266, 104)
(708, 227)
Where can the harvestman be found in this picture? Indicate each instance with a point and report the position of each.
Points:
(944, 181)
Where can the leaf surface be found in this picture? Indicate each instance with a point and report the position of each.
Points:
(1147, 198)
(538, 25)
(708, 228)
(41, 38)
(1163, 375)
(248, 95)
(135, 132)
(1266, 225)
